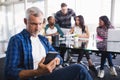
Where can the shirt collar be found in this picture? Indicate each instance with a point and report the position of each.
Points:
(26, 33)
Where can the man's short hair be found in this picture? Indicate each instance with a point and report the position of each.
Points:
(33, 11)
(63, 5)
(49, 18)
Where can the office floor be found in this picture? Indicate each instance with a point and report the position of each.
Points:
(2, 60)
(107, 76)
(95, 60)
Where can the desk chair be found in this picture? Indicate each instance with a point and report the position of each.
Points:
(63, 53)
(2, 65)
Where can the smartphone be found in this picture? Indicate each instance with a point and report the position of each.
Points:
(50, 56)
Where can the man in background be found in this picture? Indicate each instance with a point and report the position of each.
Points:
(63, 17)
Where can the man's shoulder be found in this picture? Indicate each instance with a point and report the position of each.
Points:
(58, 12)
(15, 38)
(47, 25)
(56, 25)
(42, 37)
(70, 10)
(18, 36)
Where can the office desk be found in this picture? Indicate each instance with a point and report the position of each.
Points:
(90, 45)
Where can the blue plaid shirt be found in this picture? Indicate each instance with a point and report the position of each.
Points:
(64, 21)
(19, 54)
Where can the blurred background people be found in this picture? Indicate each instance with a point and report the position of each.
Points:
(52, 28)
(53, 31)
(102, 33)
(81, 30)
(63, 17)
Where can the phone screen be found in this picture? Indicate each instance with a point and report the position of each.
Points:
(50, 56)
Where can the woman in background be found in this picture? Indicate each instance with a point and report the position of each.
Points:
(102, 32)
(81, 30)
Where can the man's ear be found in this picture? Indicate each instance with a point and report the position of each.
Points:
(25, 21)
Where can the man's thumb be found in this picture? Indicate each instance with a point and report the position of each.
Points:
(42, 60)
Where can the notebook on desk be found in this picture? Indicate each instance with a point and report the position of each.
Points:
(113, 41)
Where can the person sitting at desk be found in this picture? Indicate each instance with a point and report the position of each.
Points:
(53, 31)
(102, 32)
(51, 28)
(81, 30)
(27, 49)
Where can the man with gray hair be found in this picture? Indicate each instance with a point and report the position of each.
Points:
(26, 54)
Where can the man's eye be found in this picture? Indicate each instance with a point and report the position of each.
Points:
(33, 23)
(40, 23)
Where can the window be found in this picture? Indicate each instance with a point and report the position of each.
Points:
(117, 14)
(3, 34)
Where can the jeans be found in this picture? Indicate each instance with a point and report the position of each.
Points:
(72, 72)
(81, 55)
(103, 60)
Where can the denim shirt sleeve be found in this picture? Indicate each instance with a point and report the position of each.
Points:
(12, 59)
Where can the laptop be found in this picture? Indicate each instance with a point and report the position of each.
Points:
(113, 41)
